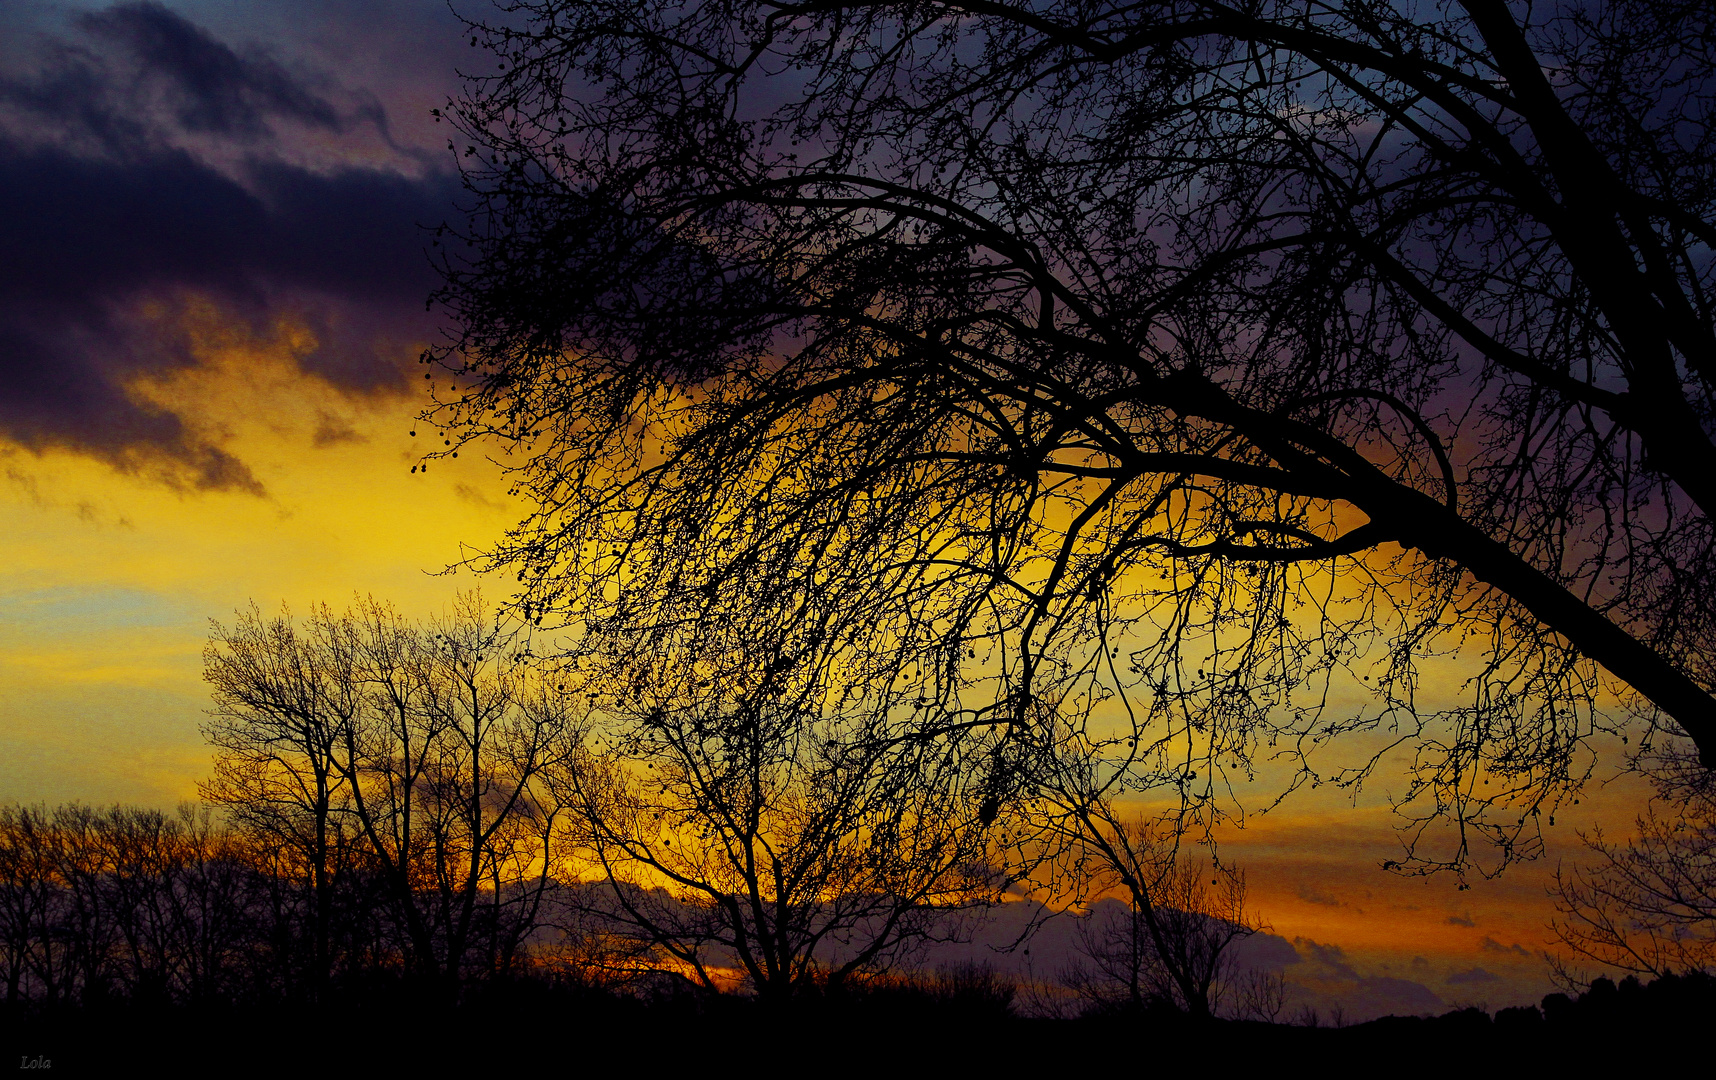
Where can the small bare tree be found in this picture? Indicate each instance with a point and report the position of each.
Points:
(1171, 941)
(750, 817)
(1260, 994)
(1648, 904)
(281, 701)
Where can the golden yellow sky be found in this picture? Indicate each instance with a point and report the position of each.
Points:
(108, 579)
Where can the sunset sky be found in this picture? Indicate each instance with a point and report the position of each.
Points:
(212, 286)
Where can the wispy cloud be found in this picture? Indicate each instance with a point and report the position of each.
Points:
(1471, 977)
(1491, 945)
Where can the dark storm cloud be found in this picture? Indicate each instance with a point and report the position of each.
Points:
(113, 219)
(212, 87)
(88, 228)
(343, 251)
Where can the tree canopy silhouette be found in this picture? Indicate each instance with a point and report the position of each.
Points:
(1159, 384)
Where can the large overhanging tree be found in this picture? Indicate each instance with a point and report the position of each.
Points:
(1158, 384)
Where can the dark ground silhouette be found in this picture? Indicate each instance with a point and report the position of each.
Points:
(932, 1022)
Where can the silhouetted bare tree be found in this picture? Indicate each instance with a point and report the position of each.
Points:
(281, 700)
(1182, 912)
(180, 890)
(418, 750)
(752, 818)
(1648, 904)
(34, 907)
(446, 763)
(1214, 362)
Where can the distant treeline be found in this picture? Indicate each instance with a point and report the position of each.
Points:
(127, 908)
(127, 932)
(135, 904)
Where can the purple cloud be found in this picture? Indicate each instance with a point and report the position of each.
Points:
(210, 86)
(116, 205)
